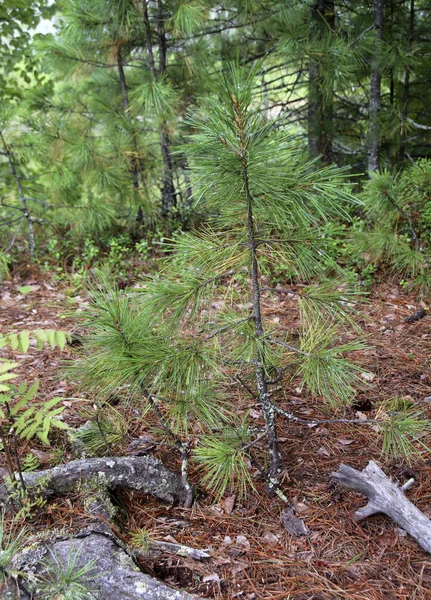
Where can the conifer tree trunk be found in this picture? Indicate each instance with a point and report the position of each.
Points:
(134, 171)
(320, 109)
(375, 84)
(24, 207)
(404, 112)
(168, 188)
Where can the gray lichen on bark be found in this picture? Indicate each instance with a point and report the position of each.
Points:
(143, 473)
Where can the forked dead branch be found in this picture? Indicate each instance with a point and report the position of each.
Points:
(386, 496)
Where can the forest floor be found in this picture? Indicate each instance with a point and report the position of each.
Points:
(252, 557)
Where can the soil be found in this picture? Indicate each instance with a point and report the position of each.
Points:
(252, 556)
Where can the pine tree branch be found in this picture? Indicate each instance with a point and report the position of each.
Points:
(15, 235)
(182, 447)
(246, 387)
(418, 125)
(313, 422)
(279, 291)
(290, 348)
(229, 326)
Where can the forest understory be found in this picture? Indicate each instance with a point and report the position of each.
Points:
(251, 555)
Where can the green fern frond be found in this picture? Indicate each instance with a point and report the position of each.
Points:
(21, 341)
(6, 373)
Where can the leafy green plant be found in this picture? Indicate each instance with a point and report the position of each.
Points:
(21, 341)
(20, 415)
(34, 420)
(398, 233)
(141, 539)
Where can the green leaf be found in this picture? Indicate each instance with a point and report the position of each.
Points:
(24, 340)
(59, 424)
(25, 289)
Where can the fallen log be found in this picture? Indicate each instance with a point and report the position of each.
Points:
(143, 473)
(386, 496)
(113, 573)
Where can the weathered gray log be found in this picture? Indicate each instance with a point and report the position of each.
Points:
(143, 473)
(385, 496)
(114, 575)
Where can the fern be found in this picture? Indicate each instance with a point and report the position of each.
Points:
(6, 373)
(29, 421)
(21, 341)
(37, 419)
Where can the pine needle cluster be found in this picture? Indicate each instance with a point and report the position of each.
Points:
(396, 233)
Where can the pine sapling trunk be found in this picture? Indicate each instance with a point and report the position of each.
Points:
(261, 382)
(406, 95)
(320, 110)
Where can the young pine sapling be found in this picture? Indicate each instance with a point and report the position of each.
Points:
(182, 343)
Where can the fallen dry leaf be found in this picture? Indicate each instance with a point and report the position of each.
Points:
(228, 504)
(292, 524)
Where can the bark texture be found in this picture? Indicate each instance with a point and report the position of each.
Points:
(114, 575)
(143, 473)
(385, 496)
(320, 109)
(375, 85)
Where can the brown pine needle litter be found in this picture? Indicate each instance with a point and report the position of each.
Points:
(252, 557)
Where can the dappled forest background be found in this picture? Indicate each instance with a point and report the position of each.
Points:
(94, 114)
(215, 249)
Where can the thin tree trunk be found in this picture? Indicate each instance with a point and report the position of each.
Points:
(134, 171)
(404, 112)
(162, 37)
(148, 39)
(262, 385)
(375, 84)
(23, 199)
(314, 108)
(168, 187)
(320, 109)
